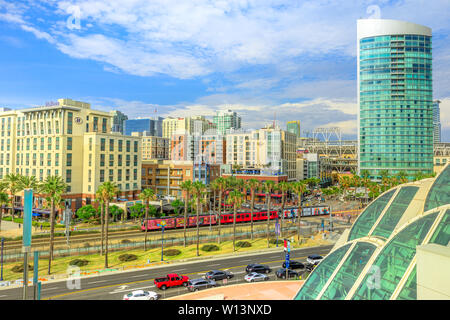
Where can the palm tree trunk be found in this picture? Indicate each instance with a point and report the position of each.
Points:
(52, 233)
(198, 226)
(185, 216)
(146, 225)
(268, 220)
(234, 227)
(106, 232)
(282, 215)
(299, 214)
(220, 213)
(102, 219)
(251, 212)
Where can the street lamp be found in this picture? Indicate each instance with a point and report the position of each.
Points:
(1, 273)
(162, 224)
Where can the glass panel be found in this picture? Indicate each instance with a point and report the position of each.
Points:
(368, 217)
(394, 259)
(442, 233)
(409, 290)
(395, 211)
(440, 191)
(349, 272)
(320, 275)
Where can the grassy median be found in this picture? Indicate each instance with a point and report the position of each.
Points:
(96, 262)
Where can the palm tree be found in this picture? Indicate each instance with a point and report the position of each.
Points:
(214, 186)
(99, 199)
(29, 182)
(222, 185)
(108, 191)
(235, 198)
(402, 177)
(268, 187)
(252, 184)
(186, 186)
(147, 195)
(12, 181)
(284, 187)
(198, 189)
(53, 187)
(4, 200)
(299, 188)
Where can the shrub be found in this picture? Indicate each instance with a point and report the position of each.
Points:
(19, 268)
(127, 257)
(87, 245)
(172, 252)
(125, 241)
(210, 247)
(243, 244)
(274, 241)
(78, 262)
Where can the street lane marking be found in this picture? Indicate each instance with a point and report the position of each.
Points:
(98, 281)
(139, 275)
(131, 289)
(49, 289)
(179, 269)
(3, 296)
(213, 265)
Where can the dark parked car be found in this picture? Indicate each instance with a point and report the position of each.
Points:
(281, 273)
(259, 268)
(218, 275)
(294, 265)
(197, 284)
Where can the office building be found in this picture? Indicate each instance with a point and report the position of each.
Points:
(436, 122)
(118, 121)
(226, 120)
(152, 126)
(293, 127)
(71, 140)
(395, 114)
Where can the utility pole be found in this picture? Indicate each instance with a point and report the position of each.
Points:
(1, 262)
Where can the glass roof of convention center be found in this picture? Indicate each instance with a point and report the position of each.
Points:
(439, 194)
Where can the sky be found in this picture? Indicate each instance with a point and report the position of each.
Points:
(266, 59)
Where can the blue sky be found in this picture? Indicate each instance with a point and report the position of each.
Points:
(263, 58)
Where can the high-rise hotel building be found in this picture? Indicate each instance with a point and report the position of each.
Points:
(70, 140)
(395, 114)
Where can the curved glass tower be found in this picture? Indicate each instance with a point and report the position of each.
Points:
(395, 97)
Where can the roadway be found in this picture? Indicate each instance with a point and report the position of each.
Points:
(113, 286)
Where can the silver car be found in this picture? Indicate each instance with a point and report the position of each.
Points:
(254, 276)
(197, 284)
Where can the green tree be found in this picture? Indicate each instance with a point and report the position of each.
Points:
(99, 200)
(222, 185)
(268, 188)
(53, 187)
(115, 211)
(4, 200)
(235, 198)
(108, 192)
(284, 187)
(186, 186)
(13, 182)
(402, 177)
(198, 189)
(252, 184)
(147, 195)
(299, 188)
(137, 211)
(177, 204)
(86, 212)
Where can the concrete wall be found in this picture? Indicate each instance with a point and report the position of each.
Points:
(433, 272)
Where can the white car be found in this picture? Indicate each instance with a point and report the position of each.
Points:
(254, 276)
(141, 295)
(314, 259)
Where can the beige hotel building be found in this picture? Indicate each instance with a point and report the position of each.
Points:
(73, 141)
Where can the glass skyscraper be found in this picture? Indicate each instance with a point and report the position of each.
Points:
(294, 127)
(225, 120)
(152, 126)
(395, 97)
(436, 122)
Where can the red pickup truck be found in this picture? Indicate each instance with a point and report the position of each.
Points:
(171, 280)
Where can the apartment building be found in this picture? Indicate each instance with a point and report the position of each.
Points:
(226, 120)
(166, 176)
(153, 147)
(68, 139)
(189, 125)
(268, 147)
(207, 148)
